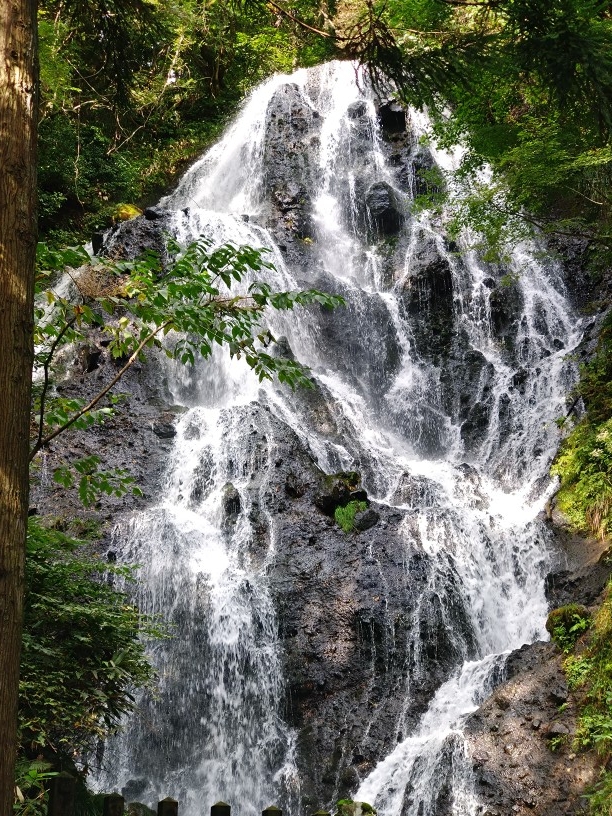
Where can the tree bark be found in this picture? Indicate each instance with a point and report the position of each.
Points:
(17, 257)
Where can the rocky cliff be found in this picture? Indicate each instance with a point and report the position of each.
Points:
(455, 360)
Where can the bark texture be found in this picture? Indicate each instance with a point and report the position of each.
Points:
(17, 256)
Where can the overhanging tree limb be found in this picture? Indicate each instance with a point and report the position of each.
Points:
(43, 442)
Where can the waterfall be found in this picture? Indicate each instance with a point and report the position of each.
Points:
(439, 382)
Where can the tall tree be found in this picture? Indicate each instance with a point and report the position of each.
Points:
(17, 257)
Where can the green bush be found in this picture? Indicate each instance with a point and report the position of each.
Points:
(567, 623)
(589, 674)
(345, 516)
(83, 651)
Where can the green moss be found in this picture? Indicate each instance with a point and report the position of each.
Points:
(348, 807)
(584, 462)
(345, 516)
(351, 478)
(584, 465)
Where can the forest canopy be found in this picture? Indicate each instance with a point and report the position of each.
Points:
(133, 90)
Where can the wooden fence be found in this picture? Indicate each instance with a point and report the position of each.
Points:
(62, 794)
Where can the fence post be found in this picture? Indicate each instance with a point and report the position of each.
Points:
(61, 795)
(272, 811)
(220, 809)
(167, 807)
(114, 805)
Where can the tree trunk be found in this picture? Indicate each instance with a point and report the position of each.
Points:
(17, 257)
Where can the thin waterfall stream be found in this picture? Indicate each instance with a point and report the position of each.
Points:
(439, 382)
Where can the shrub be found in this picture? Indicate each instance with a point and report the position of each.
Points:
(567, 623)
(83, 652)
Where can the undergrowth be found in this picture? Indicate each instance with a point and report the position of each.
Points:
(589, 674)
(584, 462)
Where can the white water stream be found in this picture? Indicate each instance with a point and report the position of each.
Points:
(216, 730)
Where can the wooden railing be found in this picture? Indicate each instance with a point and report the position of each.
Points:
(62, 795)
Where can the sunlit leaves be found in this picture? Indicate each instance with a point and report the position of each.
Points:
(136, 304)
(92, 481)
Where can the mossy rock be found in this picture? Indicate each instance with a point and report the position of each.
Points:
(336, 492)
(348, 807)
(125, 212)
(350, 478)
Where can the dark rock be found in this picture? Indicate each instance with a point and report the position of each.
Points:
(97, 242)
(557, 729)
(505, 302)
(358, 495)
(366, 519)
(583, 586)
(88, 358)
(356, 110)
(337, 494)
(133, 238)
(558, 694)
(281, 348)
(383, 208)
(230, 500)
(154, 213)
(164, 430)
(133, 788)
(392, 117)
(294, 486)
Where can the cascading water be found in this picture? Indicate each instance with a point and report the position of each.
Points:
(437, 382)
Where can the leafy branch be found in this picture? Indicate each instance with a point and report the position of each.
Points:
(136, 303)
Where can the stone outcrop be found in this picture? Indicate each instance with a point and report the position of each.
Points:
(521, 739)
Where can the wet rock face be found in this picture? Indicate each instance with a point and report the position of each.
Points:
(347, 616)
(428, 299)
(383, 208)
(512, 735)
(290, 160)
(137, 439)
(131, 239)
(520, 739)
(392, 118)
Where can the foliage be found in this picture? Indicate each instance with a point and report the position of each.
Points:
(133, 89)
(31, 797)
(584, 462)
(566, 624)
(524, 86)
(135, 304)
(600, 796)
(92, 481)
(589, 675)
(83, 652)
(345, 516)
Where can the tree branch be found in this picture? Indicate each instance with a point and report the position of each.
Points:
(305, 25)
(42, 443)
(45, 388)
